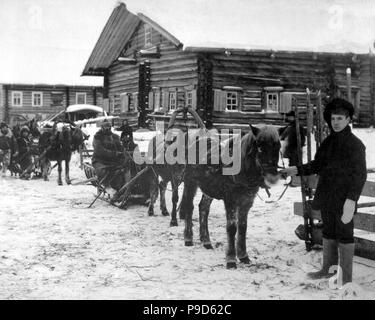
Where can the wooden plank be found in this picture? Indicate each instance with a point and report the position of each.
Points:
(364, 248)
(362, 221)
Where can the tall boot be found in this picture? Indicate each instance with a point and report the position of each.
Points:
(346, 252)
(330, 258)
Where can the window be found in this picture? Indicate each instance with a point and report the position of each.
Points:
(37, 99)
(272, 102)
(57, 99)
(172, 101)
(81, 98)
(189, 99)
(148, 35)
(17, 98)
(232, 101)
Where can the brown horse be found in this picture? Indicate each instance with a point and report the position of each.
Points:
(259, 162)
(58, 145)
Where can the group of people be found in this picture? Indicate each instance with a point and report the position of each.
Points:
(15, 153)
(340, 163)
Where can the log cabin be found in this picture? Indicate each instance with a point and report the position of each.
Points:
(28, 101)
(148, 73)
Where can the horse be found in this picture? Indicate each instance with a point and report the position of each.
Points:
(58, 145)
(259, 156)
(168, 173)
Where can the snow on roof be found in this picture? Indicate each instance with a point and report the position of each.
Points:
(263, 25)
(84, 107)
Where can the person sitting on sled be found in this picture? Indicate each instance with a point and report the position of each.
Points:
(25, 158)
(340, 163)
(109, 158)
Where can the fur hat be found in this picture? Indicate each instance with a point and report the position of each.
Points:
(24, 128)
(335, 104)
(3, 124)
(106, 123)
(291, 114)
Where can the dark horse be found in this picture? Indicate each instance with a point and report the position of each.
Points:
(168, 173)
(58, 145)
(259, 162)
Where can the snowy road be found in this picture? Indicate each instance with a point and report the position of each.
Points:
(53, 247)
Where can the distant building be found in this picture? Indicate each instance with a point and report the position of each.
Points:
(149, 73)
(41, 100)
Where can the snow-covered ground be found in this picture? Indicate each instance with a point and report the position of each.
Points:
(54, 247)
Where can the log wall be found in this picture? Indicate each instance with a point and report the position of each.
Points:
(174, 70)
(47, 108)
(294, 71)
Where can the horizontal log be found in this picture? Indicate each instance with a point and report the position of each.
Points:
(240, 115)
(294, 55)
(175, 83)
(245, 126)
(364, 248)
(179, 73)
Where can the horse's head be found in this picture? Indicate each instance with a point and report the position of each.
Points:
(78, 138)
(261, 147)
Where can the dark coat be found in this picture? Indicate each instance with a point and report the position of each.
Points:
(8, 142)
(24, 156)
(127, 131)
(340, 163)
(108, 149)
(23, 145)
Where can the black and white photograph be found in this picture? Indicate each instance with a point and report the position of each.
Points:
(195, 151)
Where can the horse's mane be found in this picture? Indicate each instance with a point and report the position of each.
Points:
(268, 133)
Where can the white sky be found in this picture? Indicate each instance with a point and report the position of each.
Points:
(49, 41)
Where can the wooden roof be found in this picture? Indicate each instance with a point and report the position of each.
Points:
(116, 33)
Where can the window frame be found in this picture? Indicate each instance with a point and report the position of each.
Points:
(170, 110)
(21, 98)
(277, 95)
(33, 94)
(189, 92)
(81, 93)
(237, 105)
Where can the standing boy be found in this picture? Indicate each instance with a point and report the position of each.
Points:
(340, 163)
